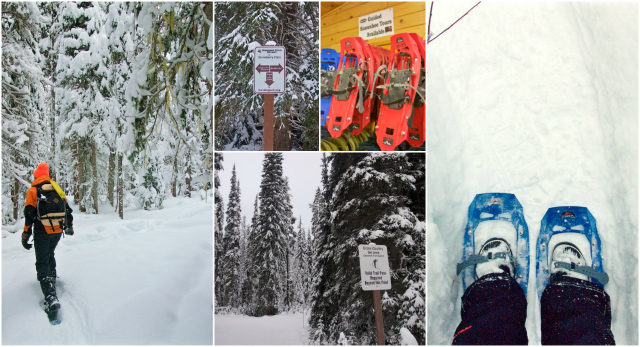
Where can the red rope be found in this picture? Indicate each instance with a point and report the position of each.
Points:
(454, 22)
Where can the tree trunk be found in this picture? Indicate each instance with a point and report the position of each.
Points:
(281, 137)
(76, 170)
(120, 187)
(81, 177)
(174, 181)
(15, 198)
(94, 186)
(188, 175)
(112, 173)
(53, 168)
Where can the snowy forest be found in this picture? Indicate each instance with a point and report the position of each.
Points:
(240, 28)
(271, 264)
(115, 96)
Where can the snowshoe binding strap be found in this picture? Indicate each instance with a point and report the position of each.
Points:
(346, 83)
(397, 89)
(601, 277)
(476, 259)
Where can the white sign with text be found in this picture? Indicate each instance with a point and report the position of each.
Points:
(376, 24)
(269, 70)
(374, 267)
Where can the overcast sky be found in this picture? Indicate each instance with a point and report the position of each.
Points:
(302, 168)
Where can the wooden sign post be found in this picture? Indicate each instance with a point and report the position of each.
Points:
(375, 275)
(267, 140)
(269, 77)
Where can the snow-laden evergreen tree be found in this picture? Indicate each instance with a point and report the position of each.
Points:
(376, 198)
(274, 226)
(151, 191)
(244, 258)
(250, 284)
(300, 271)
(218, 230)
(24, 130)
(322, 263)
(81, 74)
(120, 30)
(231, 242)
(242, 26)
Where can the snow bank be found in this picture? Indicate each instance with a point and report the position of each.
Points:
(283, 329)
(146, 279)
(539, 100)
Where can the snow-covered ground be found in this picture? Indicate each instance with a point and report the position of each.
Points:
(538, 99)
(146, 279)
(282, 329)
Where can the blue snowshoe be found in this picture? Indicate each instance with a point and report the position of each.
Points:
(574, 229)
(495, 216)
(329, 60)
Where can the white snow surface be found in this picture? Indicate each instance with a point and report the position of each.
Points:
(540, 100)
(147, 279)
(282, 329)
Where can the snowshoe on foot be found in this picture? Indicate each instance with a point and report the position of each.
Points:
(499, 258)
(52, 314)
(496, 239)
(571, 234)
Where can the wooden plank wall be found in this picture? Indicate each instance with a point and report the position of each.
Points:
(342, 21)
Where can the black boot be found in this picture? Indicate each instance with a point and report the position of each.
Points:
(48, 286)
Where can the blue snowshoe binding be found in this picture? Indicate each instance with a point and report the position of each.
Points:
(329, 60)
(496, 207)
(569, 225)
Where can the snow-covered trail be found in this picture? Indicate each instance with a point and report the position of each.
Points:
(282, 329)
(146, 279)
(539, 100)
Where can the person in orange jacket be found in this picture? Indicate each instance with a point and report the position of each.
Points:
(47, 214)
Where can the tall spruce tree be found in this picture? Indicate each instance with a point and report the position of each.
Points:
(274, 224)
(250, 284)
(231, 244)
(219, 231)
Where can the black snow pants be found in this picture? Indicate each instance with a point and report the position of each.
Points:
(45, 246)
(573, 311)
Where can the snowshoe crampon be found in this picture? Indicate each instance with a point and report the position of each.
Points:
(495, 215)
(574, 225)
(329, 61)
(399, 92)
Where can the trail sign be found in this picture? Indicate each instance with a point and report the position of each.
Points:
(269, 70)
(374, 267)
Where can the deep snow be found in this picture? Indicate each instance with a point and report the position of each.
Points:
(147, 279)
(540, 100)
(282, 329)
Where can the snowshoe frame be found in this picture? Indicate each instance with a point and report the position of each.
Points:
(570, 218)
(500, 206)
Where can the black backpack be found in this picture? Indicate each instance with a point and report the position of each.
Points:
(52, 209)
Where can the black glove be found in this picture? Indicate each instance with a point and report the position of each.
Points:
(69, 230)
(25, 239)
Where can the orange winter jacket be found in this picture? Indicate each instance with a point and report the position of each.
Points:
(31, 210)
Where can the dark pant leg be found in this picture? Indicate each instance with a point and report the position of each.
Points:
(494, 309)
(575, 311)
(45, 245)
